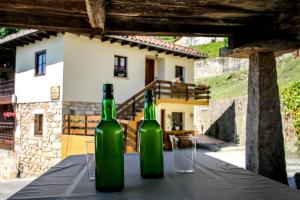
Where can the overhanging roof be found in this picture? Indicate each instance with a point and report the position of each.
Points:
(25, 37)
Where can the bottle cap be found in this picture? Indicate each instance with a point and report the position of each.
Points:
(108, 88)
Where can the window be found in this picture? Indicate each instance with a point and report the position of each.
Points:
(120, 66)
(38, 124)
(179, 74)
(40, 63)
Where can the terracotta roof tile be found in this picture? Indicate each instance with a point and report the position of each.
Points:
(152, 41)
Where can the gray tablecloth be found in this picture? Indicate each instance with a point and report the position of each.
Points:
(213, 179)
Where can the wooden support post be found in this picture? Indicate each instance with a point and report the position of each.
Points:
(264, 139)
(96, 13)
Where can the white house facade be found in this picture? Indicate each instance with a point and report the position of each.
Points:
(60, 75)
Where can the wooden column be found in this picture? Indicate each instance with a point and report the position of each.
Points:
(264, 139)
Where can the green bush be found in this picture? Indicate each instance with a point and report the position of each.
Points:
(291, 99)
(7, 31)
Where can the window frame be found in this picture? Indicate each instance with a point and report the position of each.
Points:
(36, 64)
(119, 65)
(40, 125)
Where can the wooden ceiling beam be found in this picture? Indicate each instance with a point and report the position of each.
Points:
(278, 46)
(137, 9)
(45, 7)
(258, 6)
(54, 24)
(96, 13)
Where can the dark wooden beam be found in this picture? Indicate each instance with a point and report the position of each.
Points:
(112, 40)
(96, 13)
(142, 46)
(35, 37)
(124, 43)
(45, 7)
(278, 46)
(27, 40)
(18, 43)
(49, 23)
(133, 45)
(103, 39)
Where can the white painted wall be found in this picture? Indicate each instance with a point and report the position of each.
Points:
(29, 88)
(80, 66)
(88, 64)
(187, 110)
(187, 64)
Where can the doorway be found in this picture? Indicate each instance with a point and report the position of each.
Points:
(149, 71)
(177, 121)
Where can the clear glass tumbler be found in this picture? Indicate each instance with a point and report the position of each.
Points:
(184, 149)
(90, 158)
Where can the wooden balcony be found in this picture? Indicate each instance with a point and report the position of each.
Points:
(165, 92)
(7, 89)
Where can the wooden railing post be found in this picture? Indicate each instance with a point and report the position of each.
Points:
(158, 89)
(85, 125)
(187, 92)
(69, 124)
(133, 108)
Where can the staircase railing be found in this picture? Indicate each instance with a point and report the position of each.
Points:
(129, 108)
(162, 89)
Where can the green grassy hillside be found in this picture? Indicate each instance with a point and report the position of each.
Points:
(212, 49)
(235, 83)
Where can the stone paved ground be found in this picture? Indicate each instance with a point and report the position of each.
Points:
(9, 187)
(236, 156)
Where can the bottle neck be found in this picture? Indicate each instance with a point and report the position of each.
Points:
(108, 108)
(149, 111)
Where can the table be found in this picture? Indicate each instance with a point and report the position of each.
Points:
(213, 179)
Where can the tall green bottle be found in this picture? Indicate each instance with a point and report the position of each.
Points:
(151, 141)
(109, 146)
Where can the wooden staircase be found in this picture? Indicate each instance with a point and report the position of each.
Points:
(130, 112)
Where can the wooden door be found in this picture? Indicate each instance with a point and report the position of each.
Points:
(149, 71)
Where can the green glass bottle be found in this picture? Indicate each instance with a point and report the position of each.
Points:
(109, 155)
(151, 141)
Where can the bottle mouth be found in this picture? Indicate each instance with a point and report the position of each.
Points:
(108, 88)
(149, 95)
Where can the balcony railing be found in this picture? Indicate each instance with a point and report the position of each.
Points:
(7, 88)
(7, 135)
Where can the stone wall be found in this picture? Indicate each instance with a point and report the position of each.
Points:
(38, 153)
(218, 66)
(226, 119)
(81, 108)
(9, 164)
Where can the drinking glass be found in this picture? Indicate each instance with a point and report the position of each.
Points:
(184, 149)
(90, 158)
